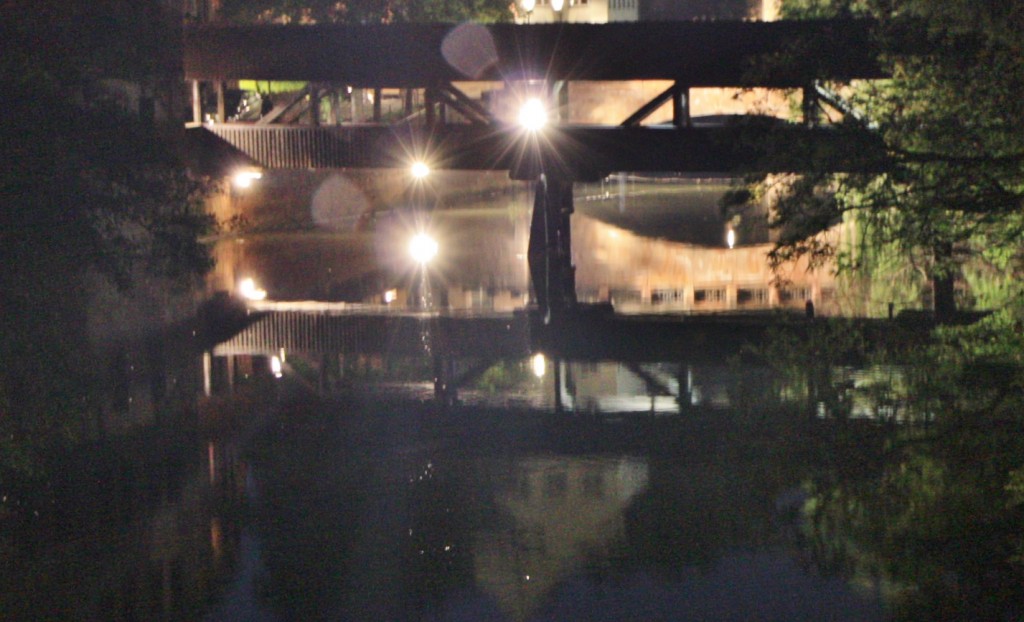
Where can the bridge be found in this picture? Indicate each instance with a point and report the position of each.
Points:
(455, 130)
(458, 348)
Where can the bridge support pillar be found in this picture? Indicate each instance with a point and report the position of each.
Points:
(550, 248)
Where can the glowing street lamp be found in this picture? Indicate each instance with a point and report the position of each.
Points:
(557, 5)
(419, 170)
(528, 6)
(248, 290)
(244, 178)
(730, 237)
(533, 115)
(423, 248)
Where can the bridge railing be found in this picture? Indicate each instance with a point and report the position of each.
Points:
(296, 146)
(386, 334)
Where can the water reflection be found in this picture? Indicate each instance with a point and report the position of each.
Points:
(562, 516)
(499, 519)
(803, 488)
(137, 538)
(646, 245)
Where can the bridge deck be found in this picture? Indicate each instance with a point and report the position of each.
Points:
(387, 334)
(693, 338)
(574, 152)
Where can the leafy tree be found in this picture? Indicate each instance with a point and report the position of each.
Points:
(365, 11)
(90, 190)
(950, 190)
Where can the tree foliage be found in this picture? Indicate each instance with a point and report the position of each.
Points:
(90, 189)
(951, 188)
(365, 11)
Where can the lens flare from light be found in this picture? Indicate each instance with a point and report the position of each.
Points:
(539, 365)
(419, 170)
(423, 248)
(248, 290)
(533, 116)
(244, 179)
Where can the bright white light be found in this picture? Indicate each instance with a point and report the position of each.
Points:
(533, 115)
(528, 5)
(244, 179)
(247, 288)
(422, 247)
(730, 238)
(557, 4)
(390, 296)
(539, 365)
(419, 170)
(275, 367)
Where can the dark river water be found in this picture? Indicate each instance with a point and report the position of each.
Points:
(547, 490)
(363, 478)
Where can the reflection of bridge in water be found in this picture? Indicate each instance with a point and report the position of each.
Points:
(334, 336)
(660, 364)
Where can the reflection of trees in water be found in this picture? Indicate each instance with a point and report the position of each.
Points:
(927, 521)
(926, 512)
(146, 529)
(717, 491)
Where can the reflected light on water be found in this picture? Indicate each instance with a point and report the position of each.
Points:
(216, 538)
(212, 460)
(423, 248)
(539, 365)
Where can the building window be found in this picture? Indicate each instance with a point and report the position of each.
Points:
(794, 294)
(708, 295)
(593, 484)
(667, 296)
(555, 485)
(752, 296)
(625, 296)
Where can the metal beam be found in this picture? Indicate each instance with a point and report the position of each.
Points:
(282, 107)
(650, 107)
(467, 106)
